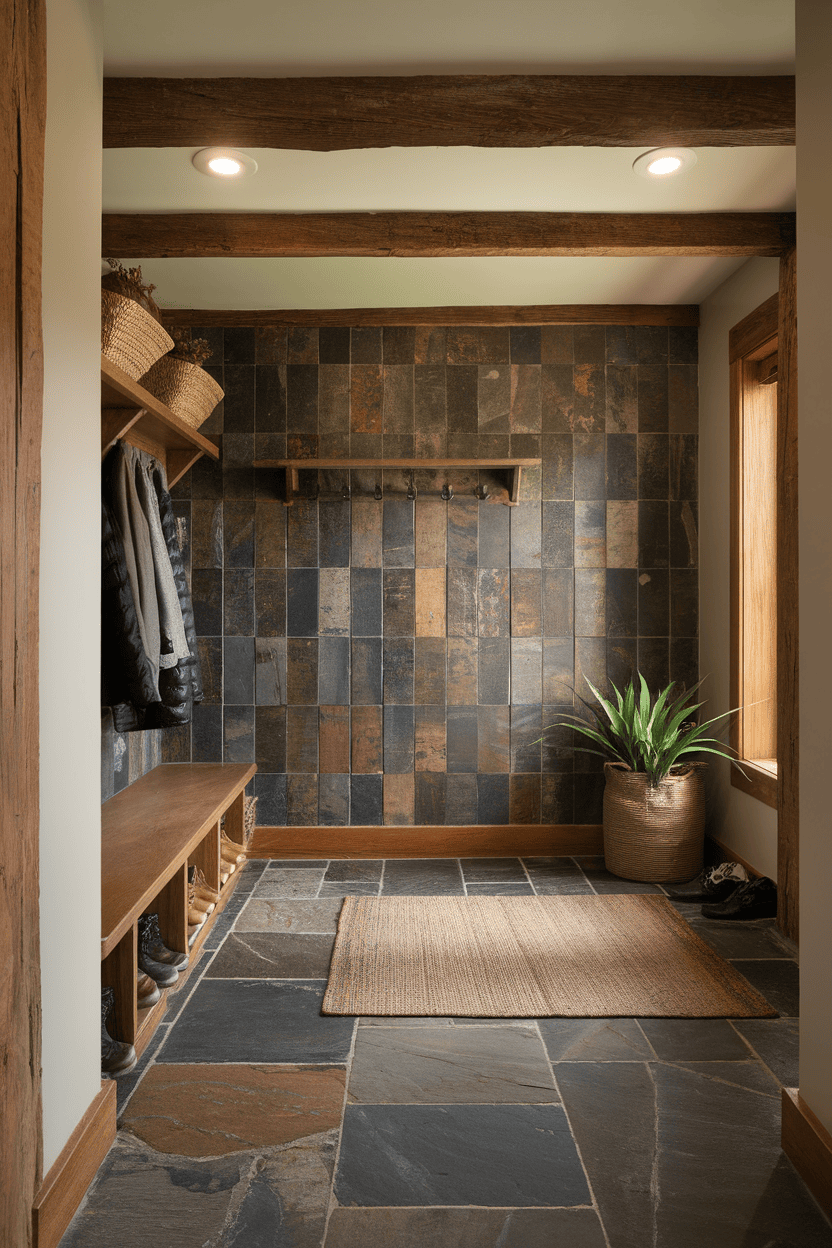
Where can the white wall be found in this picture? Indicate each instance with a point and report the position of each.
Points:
(744, 824)
(70, 578)
(814, 317)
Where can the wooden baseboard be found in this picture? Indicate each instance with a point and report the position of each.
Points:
(724, 854)
(514, 840)
(808, 1145)
(65, 1185)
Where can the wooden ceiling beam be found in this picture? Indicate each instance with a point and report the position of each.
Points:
(408, 234)
(507, 110)
(523, 314)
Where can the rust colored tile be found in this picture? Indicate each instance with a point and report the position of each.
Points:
(270, 344)
(524, 798)
(398, 602)
(430, 344)
(558, 602)
(430, 738)
(302, 739)
(524, 416)
(366, 533)
(493, 738)
(590, 534)
(431, 443)
(302, 345)
(366, 398)
(557, 398)
(590, 398)
(302, 672)
(556, 344)
(430, 602)
(463, 523)
(334, 739)
(367, 739)
(494, 399)
(398, 800)
(302, 446)
(334, 398)
(270, 535)
(622, 398)
(302, 800)
(462, 602)
(397, 408)
(478, 345)
(622, 534)
(526, 618)
(462, 671)
(429, 672)
(431, 532)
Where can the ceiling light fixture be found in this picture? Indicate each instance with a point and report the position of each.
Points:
(664, 162)
(223, 162)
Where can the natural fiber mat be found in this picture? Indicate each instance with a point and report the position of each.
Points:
(613, 956)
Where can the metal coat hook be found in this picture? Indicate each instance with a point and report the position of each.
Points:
(411, 489)
(447, 492)
(377, 494)
(481, 492)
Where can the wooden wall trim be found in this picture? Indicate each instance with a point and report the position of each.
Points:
(66, 1183)
(507, 110)
(22, 127)
(525, 314)
(808, 1145)
(477, 841)
(753, 330)
(788, 751)
(415, 234)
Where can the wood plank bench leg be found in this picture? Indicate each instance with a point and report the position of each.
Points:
(118, 971)
(172, 905)
(235, 820)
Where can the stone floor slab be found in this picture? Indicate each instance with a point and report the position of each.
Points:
(419, 877)
(740, 940)
(289, 916)
(486, 1155)
(450, 1065)
(779, 983)
(202, 1110)
(594, 1040)
(290, 882)
(350, 888)
(694, 1039)
(354, 869)
(776, 1041)
(481, 870)
(464, 1228)
(502, 888)
(272, 955)
(250, 1020)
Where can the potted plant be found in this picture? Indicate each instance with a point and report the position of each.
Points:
(654, 799)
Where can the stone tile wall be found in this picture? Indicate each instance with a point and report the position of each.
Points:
(396, 662)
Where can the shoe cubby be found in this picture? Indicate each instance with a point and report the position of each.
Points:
(153, 833)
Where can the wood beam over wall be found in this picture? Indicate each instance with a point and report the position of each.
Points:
(500, 314)
(507, 110)
(398, 234)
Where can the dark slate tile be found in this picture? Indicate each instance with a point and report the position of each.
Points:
(398, 344)
(478, 344)
(271, 799)
(209, 650)
(493, 799)
(653, 465)
(777, 981)
(421, 876)
(557, 398)
(558, 468)
(238, 404)
(206, 533)
(462, 602)
(654, 661)
(694, 1040)
(334, 534)
(398, 670)
(524, 798)
(366, 806)
(683, 398)
(458, 1155)
(653, 535)
(462, 738)
(524, 412)
(233, 1021)
(494, 670)
(365, 596)
(589, 344)
(302, 671)
(651, 344)
(683, 534)
(558, 602)
(683, 344)
(272, 955)
(622, 590)
(491, 599)
(302, 602)
(461, 799)
(430, 421)
(652, 398)
(270, 602)
(590, 399)
(301, 398)
(756, 939)
(334, 671)
(525, 528)
(590, 534)
(429, 676)
(622, 466)
(366, 670)
(207, 596)
(526, 670)
(237, 346)
(683, 451)
(238, 602)
(484, 870)
(622, 399)
(654, 603)
(590, 602)
(776, 1042)
(526, 618)
(526, 729)
(398, 587)
(494, 400)
(398, 549)
(270, 398)
(238, 670)
(365, 345)
(556, 344)
(270, 534)
(559, 672)
(622, 660)
(684, 661)
(493, 739)
(558, 534)
(302, 534)
(589, 797)
(333, 345)
(621, 344)
(461, 398)
(463, 518)
(494, 537)
(594, 1040)
(524, 342)
(429, 797)
(238, 734)
(430, 345)
(175, 747)
(334, 406)
(340, 870)
(301, 799)
(206, 477)
(398, 401)
(398, 739)
(557, 805)
(206, 734)
(270, 738)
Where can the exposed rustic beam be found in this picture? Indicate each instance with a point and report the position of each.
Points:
(238, 234)
(531, 314)
(507, 110)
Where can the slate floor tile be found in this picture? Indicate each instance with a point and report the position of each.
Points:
(506, 888)
(450, 1065)
(465, 1228)
(757, 939)
(297, 863)
(284, 915)
(354, 869)
(750, 1075)
(288, 882)
(778, 981)
(553, 887)
(350, 888)
(481, 870)
(487, 1155)
(594, 1040)
(776, 1043)
(422, 877)
(272, 955)
(694, 1039)
(256, 1020)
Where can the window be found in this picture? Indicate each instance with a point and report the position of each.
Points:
(753, 356)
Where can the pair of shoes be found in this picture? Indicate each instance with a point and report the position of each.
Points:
(163, 973)
(712, 885)
(231, 852)
(205, 898)
(755, 899)
(117, 1056)
(148, 991)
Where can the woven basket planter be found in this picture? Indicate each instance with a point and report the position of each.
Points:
(131, 337)
(654, 834)
(189, 392)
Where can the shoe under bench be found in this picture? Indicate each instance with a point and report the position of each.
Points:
(151, 833)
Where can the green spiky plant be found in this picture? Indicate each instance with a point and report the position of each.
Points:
(645, 734)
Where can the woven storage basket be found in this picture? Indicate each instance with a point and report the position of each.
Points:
(654, 834)
(189, 392)
(249, 818)
(131, 337)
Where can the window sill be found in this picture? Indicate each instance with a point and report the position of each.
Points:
(759, 781)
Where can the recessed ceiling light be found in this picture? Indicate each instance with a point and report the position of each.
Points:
(224, 162)
(664, 162)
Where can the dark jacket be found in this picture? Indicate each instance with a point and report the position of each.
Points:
(127, 683)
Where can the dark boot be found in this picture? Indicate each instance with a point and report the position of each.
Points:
(756, 899)
(712, 885)
(164, 975)
(155, 947)
(148, 992)
(117, 1057)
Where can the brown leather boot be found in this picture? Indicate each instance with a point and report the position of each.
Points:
(117, 1056)
(148, 991)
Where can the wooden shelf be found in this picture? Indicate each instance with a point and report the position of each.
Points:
(130, 412)
(292, 467)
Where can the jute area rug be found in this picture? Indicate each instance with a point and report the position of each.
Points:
(613, 956)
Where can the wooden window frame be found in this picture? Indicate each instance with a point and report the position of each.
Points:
(751, 342)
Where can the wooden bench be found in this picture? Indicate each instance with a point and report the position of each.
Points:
(151, 833)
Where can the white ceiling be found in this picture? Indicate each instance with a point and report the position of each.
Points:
(268, 38)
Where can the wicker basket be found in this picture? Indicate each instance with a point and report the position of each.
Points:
(654, 834)
(189, 392)
(249, 818)
(131, 337)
